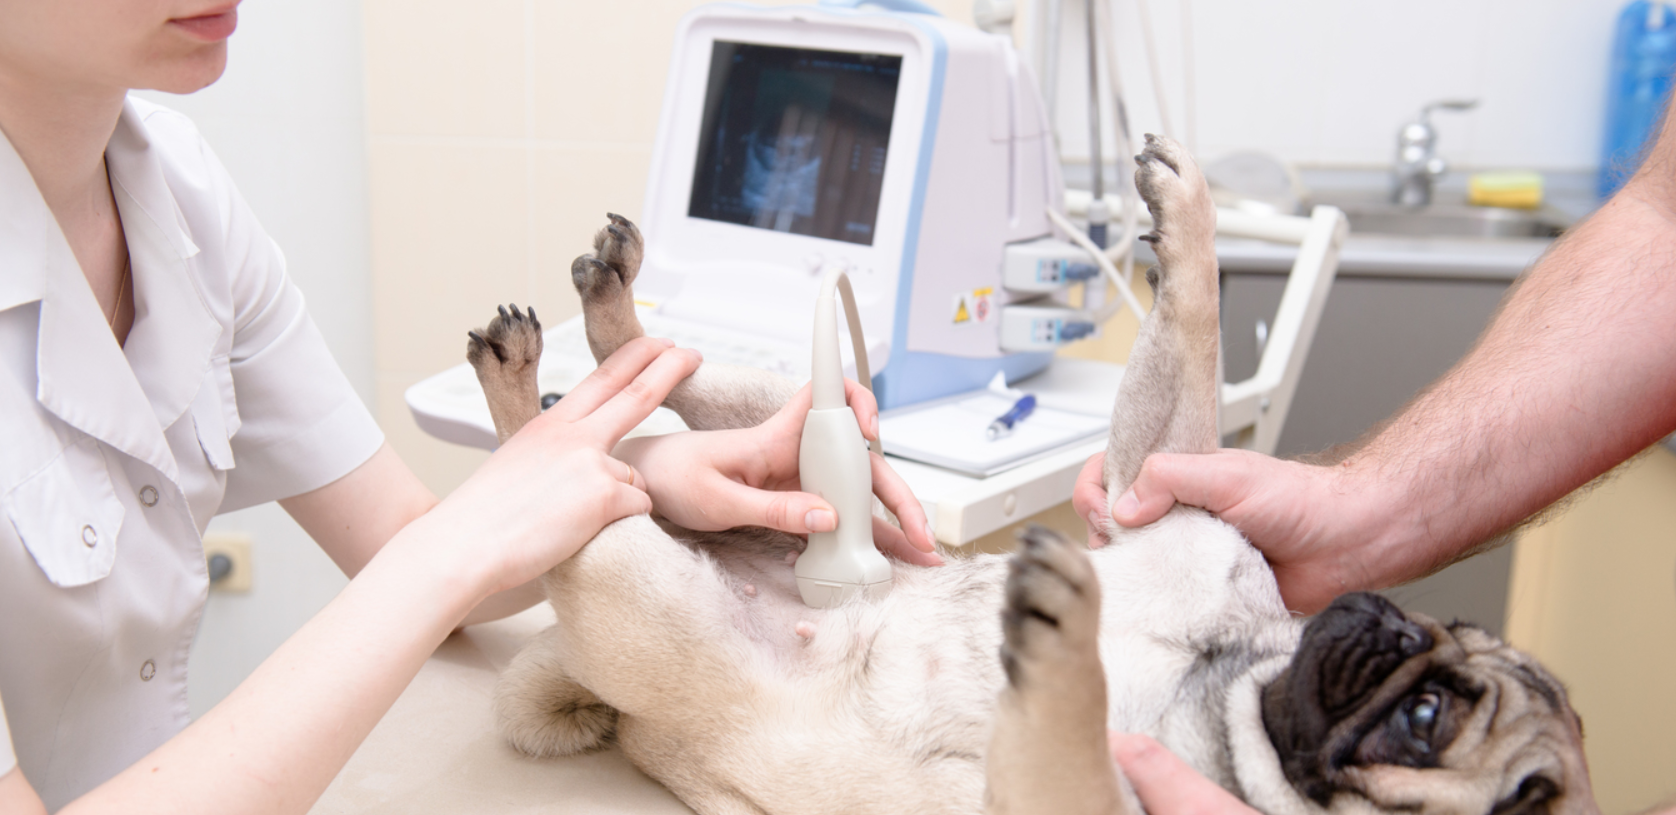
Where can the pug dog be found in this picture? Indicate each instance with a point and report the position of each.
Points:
(693, 652)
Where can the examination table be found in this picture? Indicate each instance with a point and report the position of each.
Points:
(437, 751)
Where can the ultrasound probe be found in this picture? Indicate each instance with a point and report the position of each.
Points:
(833, 463)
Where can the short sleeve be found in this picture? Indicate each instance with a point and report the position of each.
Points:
(297, 424)
(301, 425)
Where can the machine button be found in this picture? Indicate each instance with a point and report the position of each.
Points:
(148, 495)
(89, 535)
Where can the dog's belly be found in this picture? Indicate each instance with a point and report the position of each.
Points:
(871, 702)
(871, 707)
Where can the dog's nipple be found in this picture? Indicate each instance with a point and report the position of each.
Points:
(750, 590)
(805, 630)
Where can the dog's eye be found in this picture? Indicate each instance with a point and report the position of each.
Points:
(1420, 713)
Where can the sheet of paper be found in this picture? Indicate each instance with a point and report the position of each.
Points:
(951, 433)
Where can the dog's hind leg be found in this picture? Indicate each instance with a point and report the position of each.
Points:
(542, 712)
(1168, 400)
(1048, 753)
(716, 396)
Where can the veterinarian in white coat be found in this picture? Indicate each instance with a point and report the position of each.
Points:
(157, 367)
(1576, 374)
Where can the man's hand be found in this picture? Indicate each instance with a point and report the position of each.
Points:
(1315, 526)
(720, 479)
(1166, 785)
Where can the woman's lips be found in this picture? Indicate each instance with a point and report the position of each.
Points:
(210, 27)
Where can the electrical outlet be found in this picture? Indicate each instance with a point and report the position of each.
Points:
(235, 548)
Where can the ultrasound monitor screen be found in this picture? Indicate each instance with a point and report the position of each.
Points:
(794, 139)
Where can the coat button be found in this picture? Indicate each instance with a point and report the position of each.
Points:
(148, 669)
(148, 495)
(89, 535)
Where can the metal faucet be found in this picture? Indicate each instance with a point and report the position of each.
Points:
(1418, 164)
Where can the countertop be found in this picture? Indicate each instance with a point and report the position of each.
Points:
(1570, 193)
(437, 751)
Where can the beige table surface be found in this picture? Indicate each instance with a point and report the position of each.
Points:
(437, 749)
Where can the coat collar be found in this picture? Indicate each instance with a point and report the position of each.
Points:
(123, 397)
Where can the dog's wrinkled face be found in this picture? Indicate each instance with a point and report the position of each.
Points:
(1402, 713)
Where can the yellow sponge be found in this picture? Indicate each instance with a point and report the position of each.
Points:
(1514, 190)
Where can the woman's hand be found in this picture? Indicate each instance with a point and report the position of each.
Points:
(554, 484)
(720, 479)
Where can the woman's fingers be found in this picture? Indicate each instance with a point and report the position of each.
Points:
(891, 541)
(614, 374)
(627, 499)
(635, 401)
(866, 408)
(733, 504)
(894, 493)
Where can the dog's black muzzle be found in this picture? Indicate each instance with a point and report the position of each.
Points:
(1347, 654)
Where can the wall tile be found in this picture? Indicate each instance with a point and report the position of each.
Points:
(442, 68)
(442, 466)
(449, 237)
(573, 188)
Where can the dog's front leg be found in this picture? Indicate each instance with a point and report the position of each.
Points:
(1048, 753)
(716, 396)
(1167, 402)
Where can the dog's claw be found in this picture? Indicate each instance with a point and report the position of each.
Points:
(503, 314)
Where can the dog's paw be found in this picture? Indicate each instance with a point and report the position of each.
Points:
(1177, 196)
(1051, 620)
(510, 346)
(545, 714)
(607, 274)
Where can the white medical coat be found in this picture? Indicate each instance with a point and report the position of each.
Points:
(113, 458)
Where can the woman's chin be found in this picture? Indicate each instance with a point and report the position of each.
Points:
(191, 73)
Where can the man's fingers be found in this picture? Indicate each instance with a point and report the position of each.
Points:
(1088, 498)
(611, 376)
(894, 493)
(635, 401)
(1155, 489)
(1166, 785)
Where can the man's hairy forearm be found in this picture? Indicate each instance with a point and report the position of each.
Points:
(1576, 373)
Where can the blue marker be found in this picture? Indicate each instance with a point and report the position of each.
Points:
(1004, 425)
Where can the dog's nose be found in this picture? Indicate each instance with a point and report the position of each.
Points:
(1401, 633)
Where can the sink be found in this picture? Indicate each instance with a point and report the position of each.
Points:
(1454, 220)
(1369, 214)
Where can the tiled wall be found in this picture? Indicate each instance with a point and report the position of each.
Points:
(500, 132)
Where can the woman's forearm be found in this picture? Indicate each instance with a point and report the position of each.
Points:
(276, 743)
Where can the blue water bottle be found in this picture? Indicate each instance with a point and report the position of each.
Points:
(1643, 59)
